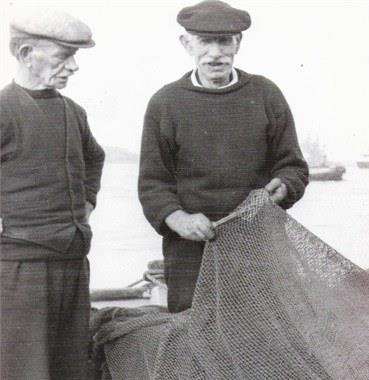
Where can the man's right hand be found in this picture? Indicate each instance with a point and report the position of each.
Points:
(190, 226)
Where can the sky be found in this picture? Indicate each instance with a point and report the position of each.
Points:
(317, 52)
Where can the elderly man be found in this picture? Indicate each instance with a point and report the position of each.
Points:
(208, 140)
(51, 169)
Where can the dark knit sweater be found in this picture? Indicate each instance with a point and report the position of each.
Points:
(203, 150)
(51, 165)
(51, 103)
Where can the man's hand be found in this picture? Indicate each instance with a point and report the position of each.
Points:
(89, 208)
(277, 190)
(190, 226)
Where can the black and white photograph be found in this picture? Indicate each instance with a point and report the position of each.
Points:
(184, 190)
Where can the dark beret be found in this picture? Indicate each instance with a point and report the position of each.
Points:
(213, 17)
(53, 25)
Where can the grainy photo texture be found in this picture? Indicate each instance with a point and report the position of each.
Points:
(184, 190)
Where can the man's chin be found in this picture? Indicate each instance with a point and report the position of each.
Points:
(219, 76)
(60, 86)
(60, 83)
(218, 72)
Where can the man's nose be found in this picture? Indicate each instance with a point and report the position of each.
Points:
(215, 50)
(71, 64)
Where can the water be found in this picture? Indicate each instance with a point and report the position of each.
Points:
(123, 243)
(123, 240)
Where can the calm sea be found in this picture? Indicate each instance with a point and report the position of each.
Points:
(123, 243)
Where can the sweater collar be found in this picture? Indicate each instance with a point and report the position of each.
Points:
(39, 94)
(243, 77)
(197, 83)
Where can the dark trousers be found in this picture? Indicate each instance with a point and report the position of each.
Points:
(45, 318)
(182, 262)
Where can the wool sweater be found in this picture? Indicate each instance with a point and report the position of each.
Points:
(51, 165)
(203, 150)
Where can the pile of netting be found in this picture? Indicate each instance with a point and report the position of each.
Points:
(272, 301)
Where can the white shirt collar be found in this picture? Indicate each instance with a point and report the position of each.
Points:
(196, 83)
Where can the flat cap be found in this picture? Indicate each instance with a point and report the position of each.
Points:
(213, 17)
(56, 26)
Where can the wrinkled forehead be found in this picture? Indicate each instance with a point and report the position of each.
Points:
(219, 38)
(51, 47)
(222, 39)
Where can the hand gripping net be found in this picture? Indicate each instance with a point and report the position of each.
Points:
(272, 301)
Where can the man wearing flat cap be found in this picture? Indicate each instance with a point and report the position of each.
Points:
(208, 140)
(51, 169)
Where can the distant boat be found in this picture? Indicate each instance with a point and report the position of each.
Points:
(331, 173)
(363, 163)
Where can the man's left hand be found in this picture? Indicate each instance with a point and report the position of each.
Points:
(277, 190)
(89, 208)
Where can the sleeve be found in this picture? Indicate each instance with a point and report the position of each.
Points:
(94, 157)
(157, 186)
(286, 159)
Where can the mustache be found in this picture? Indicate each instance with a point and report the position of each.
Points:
(65, 74)
(217, 62)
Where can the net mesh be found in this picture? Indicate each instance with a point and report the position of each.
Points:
(272, 301)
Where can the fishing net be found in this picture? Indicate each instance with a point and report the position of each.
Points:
(272, 301)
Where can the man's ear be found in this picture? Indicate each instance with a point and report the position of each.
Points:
(185, 41)
(238, 39)
(24, 54)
